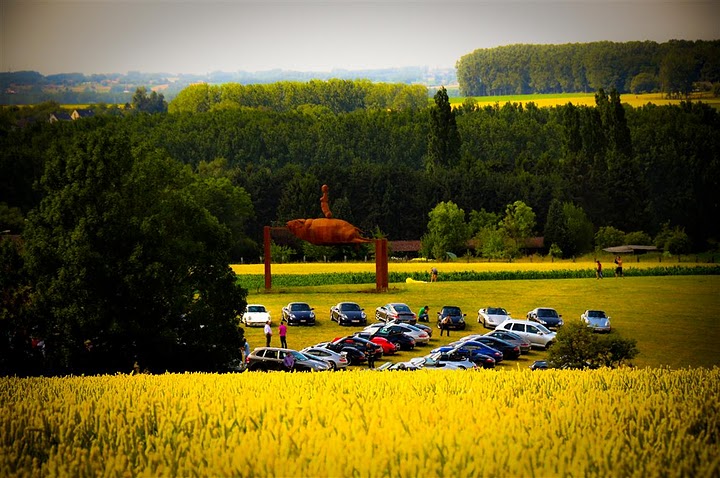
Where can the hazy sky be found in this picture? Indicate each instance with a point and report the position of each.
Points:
(201, 36)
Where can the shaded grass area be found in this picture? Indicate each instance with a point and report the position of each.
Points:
(672, 317)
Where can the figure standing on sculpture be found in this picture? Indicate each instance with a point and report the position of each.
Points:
(324, 202)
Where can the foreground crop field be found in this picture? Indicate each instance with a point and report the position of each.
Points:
(649, 422)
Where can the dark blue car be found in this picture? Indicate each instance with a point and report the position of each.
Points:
(472, 349)
(298, 313)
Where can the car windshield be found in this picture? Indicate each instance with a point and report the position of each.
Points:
(547, 313)
(451, 311)
(298, 356)
(496, 311)
(402, 308)
(596, 314)
(300, 307)
(256, 308)
(349, 307)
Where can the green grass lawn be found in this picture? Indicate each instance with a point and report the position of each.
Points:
(674, 318)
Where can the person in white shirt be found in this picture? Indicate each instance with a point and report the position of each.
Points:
(268, 333)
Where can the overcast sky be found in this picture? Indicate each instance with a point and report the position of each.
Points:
(202, 36)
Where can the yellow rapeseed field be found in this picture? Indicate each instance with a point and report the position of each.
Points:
(620, 423)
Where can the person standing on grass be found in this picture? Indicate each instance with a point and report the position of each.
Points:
(618, 268)
(598, 271)
(282, 330)
(445, 325)
(268, 333)
(433, 274)
(370, 352)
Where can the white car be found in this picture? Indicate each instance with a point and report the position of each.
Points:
(538, 335)
(441, 361)
(596, 320)
(256, 315)
(491, 317)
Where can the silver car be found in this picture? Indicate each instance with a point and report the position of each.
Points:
(491, 317)
(596, 320)
(537, 334)
(337, 360)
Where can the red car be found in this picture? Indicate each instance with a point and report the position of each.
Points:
(389, 348)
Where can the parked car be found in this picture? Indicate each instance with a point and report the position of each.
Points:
(401, 339)
(457, 318)
(256, 315)
(513, 338)
(298, 313)
(359, 343)
(420, 336)
(509, 351)
(418, 325)
(271, 359)
(440, 361)
(546, 316)
(354, 355)
(491, 317)
(396, 311)
(348, 313)
(337, 360)
(404, 366)
(539, 365)
(538, 335)
(596, 320)
(470, 349)
(389, 347)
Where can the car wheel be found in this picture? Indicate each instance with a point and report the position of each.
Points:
(333, 367)
(549, 344)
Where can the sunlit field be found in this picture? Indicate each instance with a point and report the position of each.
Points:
(369, 424)
(587, 99)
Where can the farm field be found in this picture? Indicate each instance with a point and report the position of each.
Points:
(585, 99)
(671, 317)
(625, 422)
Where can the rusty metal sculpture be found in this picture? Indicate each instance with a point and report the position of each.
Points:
(326, 231)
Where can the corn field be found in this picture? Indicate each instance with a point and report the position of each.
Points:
(621, 423)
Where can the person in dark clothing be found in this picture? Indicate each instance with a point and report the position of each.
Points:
(370, 352)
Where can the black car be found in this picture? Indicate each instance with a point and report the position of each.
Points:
(546, 316)
(396, 311)
(457, 318)
(298, 313)
(513, 338)
(348, 313)
(358, 343)
(509, 350)
(395, 336)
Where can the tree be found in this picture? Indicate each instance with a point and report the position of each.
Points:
(152, 103)
(578, 347)
(608, 236)
(673, 240)
(556, 227)
(127, 263)
(580, 230)
(444, 139)
(447, 231)
(519, 222)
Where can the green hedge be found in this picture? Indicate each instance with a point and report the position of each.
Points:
(257, 281)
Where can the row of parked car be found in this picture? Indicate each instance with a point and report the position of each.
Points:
(351, 313)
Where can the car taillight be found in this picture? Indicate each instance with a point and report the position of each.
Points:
(516, 349)
(423, 335)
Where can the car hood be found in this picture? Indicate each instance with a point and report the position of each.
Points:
(257, 315)
(598, 322)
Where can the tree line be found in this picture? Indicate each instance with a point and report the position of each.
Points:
(673, 68)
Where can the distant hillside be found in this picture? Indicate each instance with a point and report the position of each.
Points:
(30, 87)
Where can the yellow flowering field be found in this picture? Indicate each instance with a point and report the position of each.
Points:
(627, 422)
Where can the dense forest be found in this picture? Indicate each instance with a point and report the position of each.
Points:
(635, 169)
(674, 68)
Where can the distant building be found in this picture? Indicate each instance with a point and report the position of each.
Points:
(60, 116)
(82, 113)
